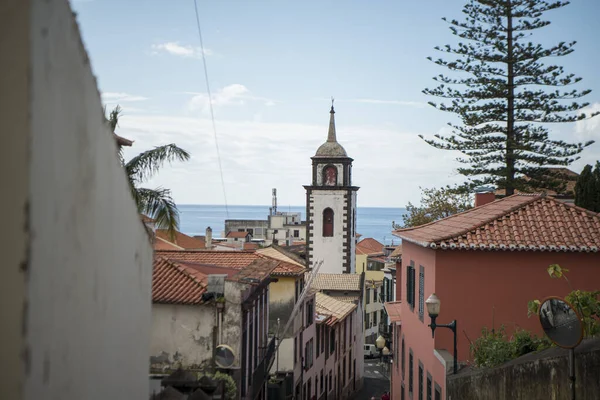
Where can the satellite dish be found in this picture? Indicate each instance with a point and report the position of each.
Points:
(561, 323)
(224, 356)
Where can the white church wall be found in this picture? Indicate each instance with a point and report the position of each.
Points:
(329, 249)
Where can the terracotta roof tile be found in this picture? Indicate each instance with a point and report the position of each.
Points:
(347, 299)
(397, 251)
(393, 310)
(518, 222)
(251, 246)
(239, 235)
(327, 305)
(278, 255)
(174, 283)
(255, 272)
(181, 239)
(340, 282)
(369, 246)
(161, 244)
(233, 259)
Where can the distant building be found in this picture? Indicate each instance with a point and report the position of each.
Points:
(331, 208)
(281, 228)
(484, 264)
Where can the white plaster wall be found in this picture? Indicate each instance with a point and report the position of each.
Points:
(14, 175)
(186, 330)
(329, 249)
(353, 233)
(286, 356)
(90, 261)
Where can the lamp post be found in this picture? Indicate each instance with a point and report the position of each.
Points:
(433, 309)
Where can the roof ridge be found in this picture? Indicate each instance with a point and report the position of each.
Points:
(183, 270)
(483, 222)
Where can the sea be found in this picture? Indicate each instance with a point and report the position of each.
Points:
(374, 222)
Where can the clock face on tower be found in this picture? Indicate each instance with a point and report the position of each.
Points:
(330, 176)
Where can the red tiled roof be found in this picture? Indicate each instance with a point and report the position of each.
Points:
(518, 222)
(161, 244)
(397, 251)
(174, 283)
(378, 259)
(181, 240)
(251, 246)
(238, 235)
(393, 310)
(256, 272)
(232, 259)
(369, 246)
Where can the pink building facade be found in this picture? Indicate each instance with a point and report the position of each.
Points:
(484, 265)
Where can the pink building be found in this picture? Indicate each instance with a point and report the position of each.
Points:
(484, 264)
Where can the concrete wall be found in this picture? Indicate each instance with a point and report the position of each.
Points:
(183, 333)
(539, 376)
(15, 32)
(76, 283)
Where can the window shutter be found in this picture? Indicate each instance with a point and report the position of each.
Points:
(421, 292)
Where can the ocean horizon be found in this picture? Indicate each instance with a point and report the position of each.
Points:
(374, 222)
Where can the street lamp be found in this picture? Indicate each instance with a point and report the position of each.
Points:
(433, 309)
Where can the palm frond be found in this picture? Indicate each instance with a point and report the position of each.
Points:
(113, 119)
(158, 205)
(146, 164)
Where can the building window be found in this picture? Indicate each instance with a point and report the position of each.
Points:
(403, 356)
(410, 372)
(421, 292)
(295, 351)
(296, 233)
(367, 320)
(328, 222)
(438, 392)
(368, 296)
(318, 340)
(429, 386)
(375, 295)
(332, 341)
(402, 390)
(420, 381)
(250, 231)
(321, 381)
(410, 286)
(310, 313)
(375, 318)
(330, 381)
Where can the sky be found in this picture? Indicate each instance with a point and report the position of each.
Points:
(273, 67)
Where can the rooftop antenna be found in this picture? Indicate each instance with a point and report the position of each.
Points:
(274, 201)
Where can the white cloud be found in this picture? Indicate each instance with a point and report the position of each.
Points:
(387, 102)
(176, 49)
(116, 97)
(589, 129)
(389, 165)
(231, 95)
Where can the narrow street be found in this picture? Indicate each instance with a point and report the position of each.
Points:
(375, 381)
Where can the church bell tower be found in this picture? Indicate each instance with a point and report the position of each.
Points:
(331, 208)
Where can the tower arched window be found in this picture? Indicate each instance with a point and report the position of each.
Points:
(327, 222)
(330, 175)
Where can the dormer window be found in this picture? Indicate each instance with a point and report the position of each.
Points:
(330, 175)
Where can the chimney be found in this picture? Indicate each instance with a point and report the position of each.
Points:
(208, 238)
(482, 198)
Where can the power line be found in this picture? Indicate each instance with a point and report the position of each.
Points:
(210, 105)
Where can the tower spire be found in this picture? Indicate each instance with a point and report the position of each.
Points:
(331, 134)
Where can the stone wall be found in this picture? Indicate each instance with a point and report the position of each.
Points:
(539, 376)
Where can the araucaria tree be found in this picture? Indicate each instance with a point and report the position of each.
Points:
(505, 96)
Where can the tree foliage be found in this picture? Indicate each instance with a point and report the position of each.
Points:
(587, 188)
(505, 96)
(156, 203)
(494, 348)
(435, 204)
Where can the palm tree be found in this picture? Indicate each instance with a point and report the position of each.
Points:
(155, 203)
